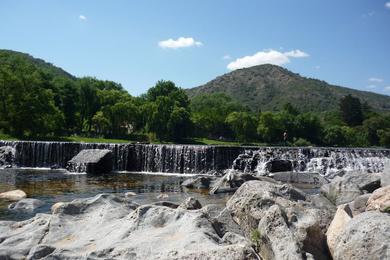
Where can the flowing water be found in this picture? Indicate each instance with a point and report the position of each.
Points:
(53, 186)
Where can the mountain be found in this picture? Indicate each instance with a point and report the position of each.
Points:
(9, 57)
(269, 87)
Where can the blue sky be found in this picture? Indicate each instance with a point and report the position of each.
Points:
(137, 43)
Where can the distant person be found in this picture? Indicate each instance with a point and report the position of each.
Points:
(285, 137)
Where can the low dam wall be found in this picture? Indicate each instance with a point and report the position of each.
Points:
(200, 158)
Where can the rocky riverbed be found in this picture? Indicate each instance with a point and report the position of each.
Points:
(264, 218)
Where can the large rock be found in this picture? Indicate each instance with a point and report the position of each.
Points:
(252, 208)
(233, 179)
(26, 205)
(341, 218)
(353, 184)
(95, 161)
(110, 227)
(310, 178)
(7, 156)
(279, 166)
(380, 200)
(13, 195)
(365, 237)
(200, 182)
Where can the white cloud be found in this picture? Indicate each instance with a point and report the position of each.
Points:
(181, 42)
(82, 17)
(371, 86)
(387, 88)
(266, 57)
(387, 5)
(377, 80)
(226, 57)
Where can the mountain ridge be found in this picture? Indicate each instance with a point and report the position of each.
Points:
(269, 87)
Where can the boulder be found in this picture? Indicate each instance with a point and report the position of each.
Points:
(279, 166)
(379, 200)
(358, 205)
(111, 227)
(313, 179)
(385, 176)
(365, 236)
(94, 161)
(233, 179)
(26, 205)
(190, 204)
(13, 195)
(341, 218)
(201, 182)
(7, 156)
(345, 189)
(305, 222)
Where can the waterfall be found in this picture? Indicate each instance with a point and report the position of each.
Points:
(201, 159)
(326, 161)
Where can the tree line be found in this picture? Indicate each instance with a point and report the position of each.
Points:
(37, 103)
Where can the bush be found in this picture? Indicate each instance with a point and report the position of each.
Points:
(301, 142)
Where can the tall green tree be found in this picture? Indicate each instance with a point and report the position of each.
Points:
(351, 110)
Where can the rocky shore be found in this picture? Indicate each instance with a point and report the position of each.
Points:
(264, 218)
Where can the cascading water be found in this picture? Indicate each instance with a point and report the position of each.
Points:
(201, 159)
(326, 161)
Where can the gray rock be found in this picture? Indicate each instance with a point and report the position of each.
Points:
(379, 200)
(232, 180)
(254, 200)
(358, 205)
(365, 236)
(190, 204)
(346, 188)
(94, 161)
(26, 205)
(111, 227)
(168, 204)
(202, 182)
(313, 179)
(7, 156)
(279, 166)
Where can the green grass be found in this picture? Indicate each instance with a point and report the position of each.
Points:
(6, 137)
(198, 140)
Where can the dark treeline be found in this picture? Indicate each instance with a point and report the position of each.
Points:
(35, 102)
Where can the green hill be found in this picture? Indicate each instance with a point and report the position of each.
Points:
(9, 57)
(269, 87)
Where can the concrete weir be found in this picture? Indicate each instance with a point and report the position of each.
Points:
(201, 159)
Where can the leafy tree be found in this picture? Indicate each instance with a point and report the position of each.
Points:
(384, 137)
(351, 110)
(243, 125)
(335, 136)
(308, 126)
(271, 127)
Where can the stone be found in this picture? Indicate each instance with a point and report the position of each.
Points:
(93, 161)
(306, 223)
(233, 179)
(130, 194)
(26, 205)
(358, 205)
(385, 175)
(365, 236)
(168, 204)
(314, 179)
(341, 218)
(190, 204)
(279, 166)
(202, 182)
(13, 195)
(345, 189)
(379, 200)
(112, 227)
(7, 156)
(162, 196)
(56, 207)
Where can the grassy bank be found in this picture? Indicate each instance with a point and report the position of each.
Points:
(199, 141)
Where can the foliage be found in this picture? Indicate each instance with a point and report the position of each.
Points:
(243, 125)
(351, 110)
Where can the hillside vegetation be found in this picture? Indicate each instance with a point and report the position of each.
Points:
(269, 87)
(42, 102)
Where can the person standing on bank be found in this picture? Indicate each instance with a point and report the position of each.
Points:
(285, 137)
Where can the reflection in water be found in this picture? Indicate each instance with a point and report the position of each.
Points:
(53, 186)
